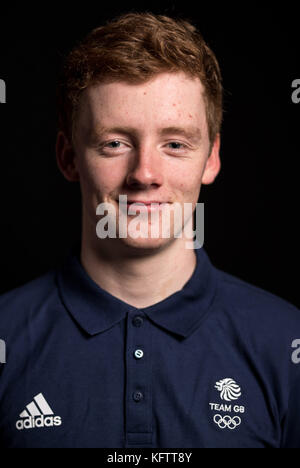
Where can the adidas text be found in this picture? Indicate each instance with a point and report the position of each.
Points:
(38, 421)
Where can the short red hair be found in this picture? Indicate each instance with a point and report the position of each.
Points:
(134, 48)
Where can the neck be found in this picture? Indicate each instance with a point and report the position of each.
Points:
(138, 278)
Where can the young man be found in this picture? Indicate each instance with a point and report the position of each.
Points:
(139, 341)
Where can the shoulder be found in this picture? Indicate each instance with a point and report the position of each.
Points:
(21, 303)
(253, 304)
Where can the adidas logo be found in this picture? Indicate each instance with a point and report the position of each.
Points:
(37, 414)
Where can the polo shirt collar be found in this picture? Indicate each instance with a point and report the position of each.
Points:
(96, 310)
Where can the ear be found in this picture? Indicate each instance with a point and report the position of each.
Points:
(65, 158)
(213, 163)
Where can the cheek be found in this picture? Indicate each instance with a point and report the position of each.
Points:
(187, 182)
(98, 176)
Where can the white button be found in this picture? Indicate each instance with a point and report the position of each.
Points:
(138, 353)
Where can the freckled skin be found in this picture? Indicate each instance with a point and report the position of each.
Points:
(145, 166)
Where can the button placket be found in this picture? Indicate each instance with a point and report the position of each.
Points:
(138, 386)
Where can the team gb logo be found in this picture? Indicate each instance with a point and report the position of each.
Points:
(229, 390)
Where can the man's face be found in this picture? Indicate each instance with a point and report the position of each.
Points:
(149, 142)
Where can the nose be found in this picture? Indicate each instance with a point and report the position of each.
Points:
(145, 168)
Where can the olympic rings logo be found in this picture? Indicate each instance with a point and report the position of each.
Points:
(227, 421)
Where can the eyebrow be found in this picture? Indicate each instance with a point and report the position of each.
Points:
(190, 132)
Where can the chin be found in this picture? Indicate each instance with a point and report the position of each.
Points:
(143, 245)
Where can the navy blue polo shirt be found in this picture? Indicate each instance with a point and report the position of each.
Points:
(213, 365)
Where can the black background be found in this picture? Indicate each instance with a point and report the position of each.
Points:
(251, 210)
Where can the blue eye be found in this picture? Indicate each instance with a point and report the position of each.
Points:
(113, 142)
(176, 143)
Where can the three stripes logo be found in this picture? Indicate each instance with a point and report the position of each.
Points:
(37, 414)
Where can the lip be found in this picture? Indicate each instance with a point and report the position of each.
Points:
(145, 205)
(130, 202)
(144, 202)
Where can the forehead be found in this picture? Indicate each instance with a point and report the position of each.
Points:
(167, 99)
